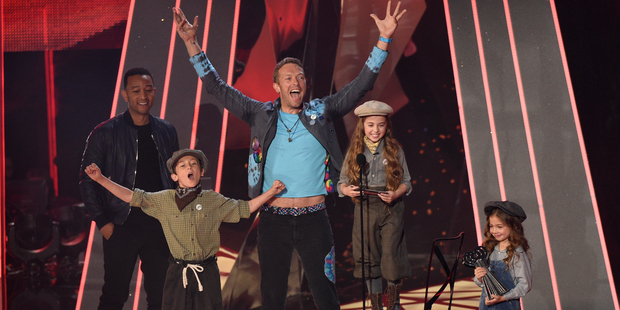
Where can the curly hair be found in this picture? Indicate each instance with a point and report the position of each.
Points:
(393, 169)
(516, 238)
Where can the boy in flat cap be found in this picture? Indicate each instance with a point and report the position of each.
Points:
(385, 179)
(190, 218)
(509, 257)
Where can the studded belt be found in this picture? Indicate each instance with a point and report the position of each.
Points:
(292, 211)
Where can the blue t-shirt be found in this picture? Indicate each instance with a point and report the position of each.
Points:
(296, 158)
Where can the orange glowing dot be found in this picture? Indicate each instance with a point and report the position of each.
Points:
(428, 202)
(429, 211)
(442, 136)
(443, 170)
(421, 151)
(432, 193)
(437, 149)
(426, 180)
(441, 161)
(452, 181)
(415, 212)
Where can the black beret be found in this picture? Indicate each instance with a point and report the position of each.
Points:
(508, 207)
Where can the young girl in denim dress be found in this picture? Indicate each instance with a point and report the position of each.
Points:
(509, 258)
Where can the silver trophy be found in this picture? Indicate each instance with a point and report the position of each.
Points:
(476, 258)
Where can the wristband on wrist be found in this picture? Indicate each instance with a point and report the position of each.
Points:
(382, 39)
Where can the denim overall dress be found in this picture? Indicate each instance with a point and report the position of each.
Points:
(498, 268)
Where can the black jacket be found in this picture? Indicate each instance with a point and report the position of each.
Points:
(113, 146)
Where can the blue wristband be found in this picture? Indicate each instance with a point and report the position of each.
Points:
(382, 39)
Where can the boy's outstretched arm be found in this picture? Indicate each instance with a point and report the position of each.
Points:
(117, 190)
(276, 188)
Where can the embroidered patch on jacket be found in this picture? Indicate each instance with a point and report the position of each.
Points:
(258, 153)
(253, 171)
(376, 59)
(329, 184)
(316, 107)
(330, 265)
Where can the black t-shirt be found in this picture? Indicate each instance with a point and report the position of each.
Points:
(148, 176)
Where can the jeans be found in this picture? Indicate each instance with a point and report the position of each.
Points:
(311, 236)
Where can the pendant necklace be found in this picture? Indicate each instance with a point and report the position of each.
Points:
(288, 130)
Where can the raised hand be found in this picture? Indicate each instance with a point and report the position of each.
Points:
(186, 31)
(388, 25)
(94, 172)
(278, 186)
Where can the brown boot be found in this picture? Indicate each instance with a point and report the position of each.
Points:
(376, 300)
(393, 297)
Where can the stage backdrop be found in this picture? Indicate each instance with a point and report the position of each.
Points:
(523, 143)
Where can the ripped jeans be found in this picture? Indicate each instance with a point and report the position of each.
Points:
(311, 236)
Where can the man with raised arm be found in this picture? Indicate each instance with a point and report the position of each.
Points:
(293, 141)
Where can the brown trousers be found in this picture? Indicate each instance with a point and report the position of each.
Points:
(385, 248)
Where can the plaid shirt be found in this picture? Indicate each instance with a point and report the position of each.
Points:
(192, 234)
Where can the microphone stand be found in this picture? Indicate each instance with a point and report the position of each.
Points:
(361, 160)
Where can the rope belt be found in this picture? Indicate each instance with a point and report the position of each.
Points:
(195, 266)
(194, 269)
(292, 211)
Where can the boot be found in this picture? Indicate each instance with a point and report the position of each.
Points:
(376, 300)
(393, 297)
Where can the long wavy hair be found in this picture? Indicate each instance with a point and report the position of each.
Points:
(516, 238)
(393, 169)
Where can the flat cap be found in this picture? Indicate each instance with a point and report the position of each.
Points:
(373, 107)
(508, 207)
(204, 162)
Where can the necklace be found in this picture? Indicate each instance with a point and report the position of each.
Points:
(288, 130)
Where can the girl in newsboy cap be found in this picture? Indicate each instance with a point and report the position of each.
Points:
(509, 257)
(385, 179)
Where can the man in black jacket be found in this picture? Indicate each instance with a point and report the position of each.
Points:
(131, 149)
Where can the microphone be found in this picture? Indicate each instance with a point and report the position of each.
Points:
(361, 159)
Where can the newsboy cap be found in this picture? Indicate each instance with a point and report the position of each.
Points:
(204, 162)
(373, 107)
(508, 207)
